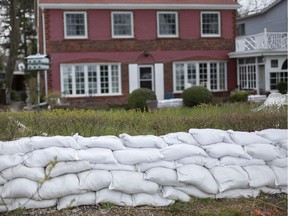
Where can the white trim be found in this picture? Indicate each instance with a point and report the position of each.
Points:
(159, 79)
(131, 23)
(86, 94)
(219, 24)
(176, 22)
(141, 6)
(85, 24)
(152, 75)
(198, 74)
(133, 77)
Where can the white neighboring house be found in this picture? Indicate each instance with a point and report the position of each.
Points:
(261, 48)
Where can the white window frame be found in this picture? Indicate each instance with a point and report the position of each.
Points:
(132, 24)
(152, 75)
(176, 23)
(85, 25)
(197, 68)
(219, 24)
(87, 93)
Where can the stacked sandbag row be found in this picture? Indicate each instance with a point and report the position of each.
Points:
(41, 172)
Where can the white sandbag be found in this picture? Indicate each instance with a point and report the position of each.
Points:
(97, 155)
(111, 167)
(20, 188)
(194, 191)
(260, 176)
(142, 141)
(2, 181)
(42, 157)
(132, 183)
(76, 200)
(62, 168)
(41, 142)
(198, 176)
(279, 162)
(247, 138)
(208, 162)
(22, 171)
(237, 193)
(273, 134)
(230, 177)
(3, 208)
(179, 138)
(142, 199)
(60, 186)
(171, 139)
(142, 167)
(175, 152)
(265, 152)
(283, 144)
(219, 150)
(115, 197)
(7, 161)
(2, 200)
(32, 204)
(94, 180)
(22, 145)
(281, 176)
(134, 156)
(227, 160)
(109, 142)
(174, 194)
(268, 190)
(163, 176)
(208, 136)
(284, 190)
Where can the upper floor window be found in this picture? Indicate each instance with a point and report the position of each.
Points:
(241, 29)
(75, 24)
(210, 24)
(122, 24)
(167, 24)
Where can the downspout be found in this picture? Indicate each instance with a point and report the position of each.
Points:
(44, 51)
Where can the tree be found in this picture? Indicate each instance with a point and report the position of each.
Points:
(252, 6)
(18, 36)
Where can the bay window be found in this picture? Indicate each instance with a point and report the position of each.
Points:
(212, 75)
(90, 79)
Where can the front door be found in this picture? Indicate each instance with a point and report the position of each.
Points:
(146, 77)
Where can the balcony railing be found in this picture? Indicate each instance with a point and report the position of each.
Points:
(266, 40)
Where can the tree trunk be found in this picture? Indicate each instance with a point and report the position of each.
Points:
(14, 46)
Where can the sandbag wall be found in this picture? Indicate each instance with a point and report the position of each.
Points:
(67, 171)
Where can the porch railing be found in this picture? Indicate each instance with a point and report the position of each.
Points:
(266, 40)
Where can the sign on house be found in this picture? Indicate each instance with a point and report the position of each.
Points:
(38, 62)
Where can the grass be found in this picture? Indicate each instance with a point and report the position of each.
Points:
(236, 116)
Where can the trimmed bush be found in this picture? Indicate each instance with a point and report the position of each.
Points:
(282, 87)
(138, 98)
(239, 96)
(196, 95)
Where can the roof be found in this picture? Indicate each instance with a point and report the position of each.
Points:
(139, 4)
(264, 10)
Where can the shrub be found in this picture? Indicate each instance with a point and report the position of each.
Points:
(196, 95)
(138, 98)
(282, 87)
(239, 96)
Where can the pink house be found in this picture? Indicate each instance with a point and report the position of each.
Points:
(102, 50)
